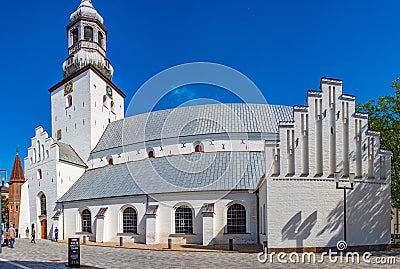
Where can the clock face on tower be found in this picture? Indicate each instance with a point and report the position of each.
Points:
(68, 87)
(109, 91)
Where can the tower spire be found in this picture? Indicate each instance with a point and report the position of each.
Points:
(17, 174)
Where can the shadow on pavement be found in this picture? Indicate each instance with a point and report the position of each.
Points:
(38, 265)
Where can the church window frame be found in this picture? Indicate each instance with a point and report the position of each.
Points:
(39, 174)
(68, 101)
(43, 201)
(129, 220)
(150, 153)
(86, 221)
(75, 36)
(100, 39)
(112, 107)
(184, 219)
(105, 101)
(38, 151)
(198, 147)
(88, 33)
(236, 218)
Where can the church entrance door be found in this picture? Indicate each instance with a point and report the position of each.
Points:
(43, 223)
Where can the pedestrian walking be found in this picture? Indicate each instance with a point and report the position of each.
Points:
(33, 234)
(27, 232)
(13, 234)
(56, 234)
(6, 239)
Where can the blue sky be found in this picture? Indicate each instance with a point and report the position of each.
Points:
(284, 47)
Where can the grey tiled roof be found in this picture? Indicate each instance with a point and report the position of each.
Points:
(195, 172)
(68, 154)
(194, 120)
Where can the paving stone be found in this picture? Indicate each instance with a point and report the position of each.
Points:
(47, 254)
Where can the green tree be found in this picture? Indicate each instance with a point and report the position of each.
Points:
(384, 116)
(4, 210)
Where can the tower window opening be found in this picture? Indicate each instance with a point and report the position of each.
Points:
(112, 107)
(105, 100)
(151, 154)
(69, 101)
(39, 174)
(100, 39)
(110, 161)
(88, 33)
(74, 36)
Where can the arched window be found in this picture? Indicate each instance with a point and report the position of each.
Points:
(69, 101)
(129, 221)
(39, 174)
(110, 161)
(236, 219)
(86, 221)
(100, 38)
(88, 33)
(198, 148)
(43, 156)
(43, 205)
(183, 220)
(112, 107)
(151, 154)
(74, 36)
(105, 100)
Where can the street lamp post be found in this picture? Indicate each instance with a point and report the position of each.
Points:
(1, 207)
(344, 188)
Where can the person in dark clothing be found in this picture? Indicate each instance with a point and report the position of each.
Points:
(33, 234)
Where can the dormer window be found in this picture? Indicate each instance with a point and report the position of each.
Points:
(197, 148)
(110, 161)
(88, 33)
(75, 36)
(151, 154)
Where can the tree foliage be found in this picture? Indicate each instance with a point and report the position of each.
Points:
(384, 116)
(4, 210)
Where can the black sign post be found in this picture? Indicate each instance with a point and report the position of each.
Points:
(74, 253)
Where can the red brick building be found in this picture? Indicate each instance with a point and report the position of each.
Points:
(17, 178)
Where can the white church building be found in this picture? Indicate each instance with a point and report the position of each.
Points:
(247, 172)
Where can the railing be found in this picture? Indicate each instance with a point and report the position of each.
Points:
(88, 45)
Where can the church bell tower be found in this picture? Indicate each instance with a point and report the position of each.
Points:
(86, 100)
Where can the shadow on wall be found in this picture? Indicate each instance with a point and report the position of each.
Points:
(368, 216)
(297, 230)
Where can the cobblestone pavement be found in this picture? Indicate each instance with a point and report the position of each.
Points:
(46, 254)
